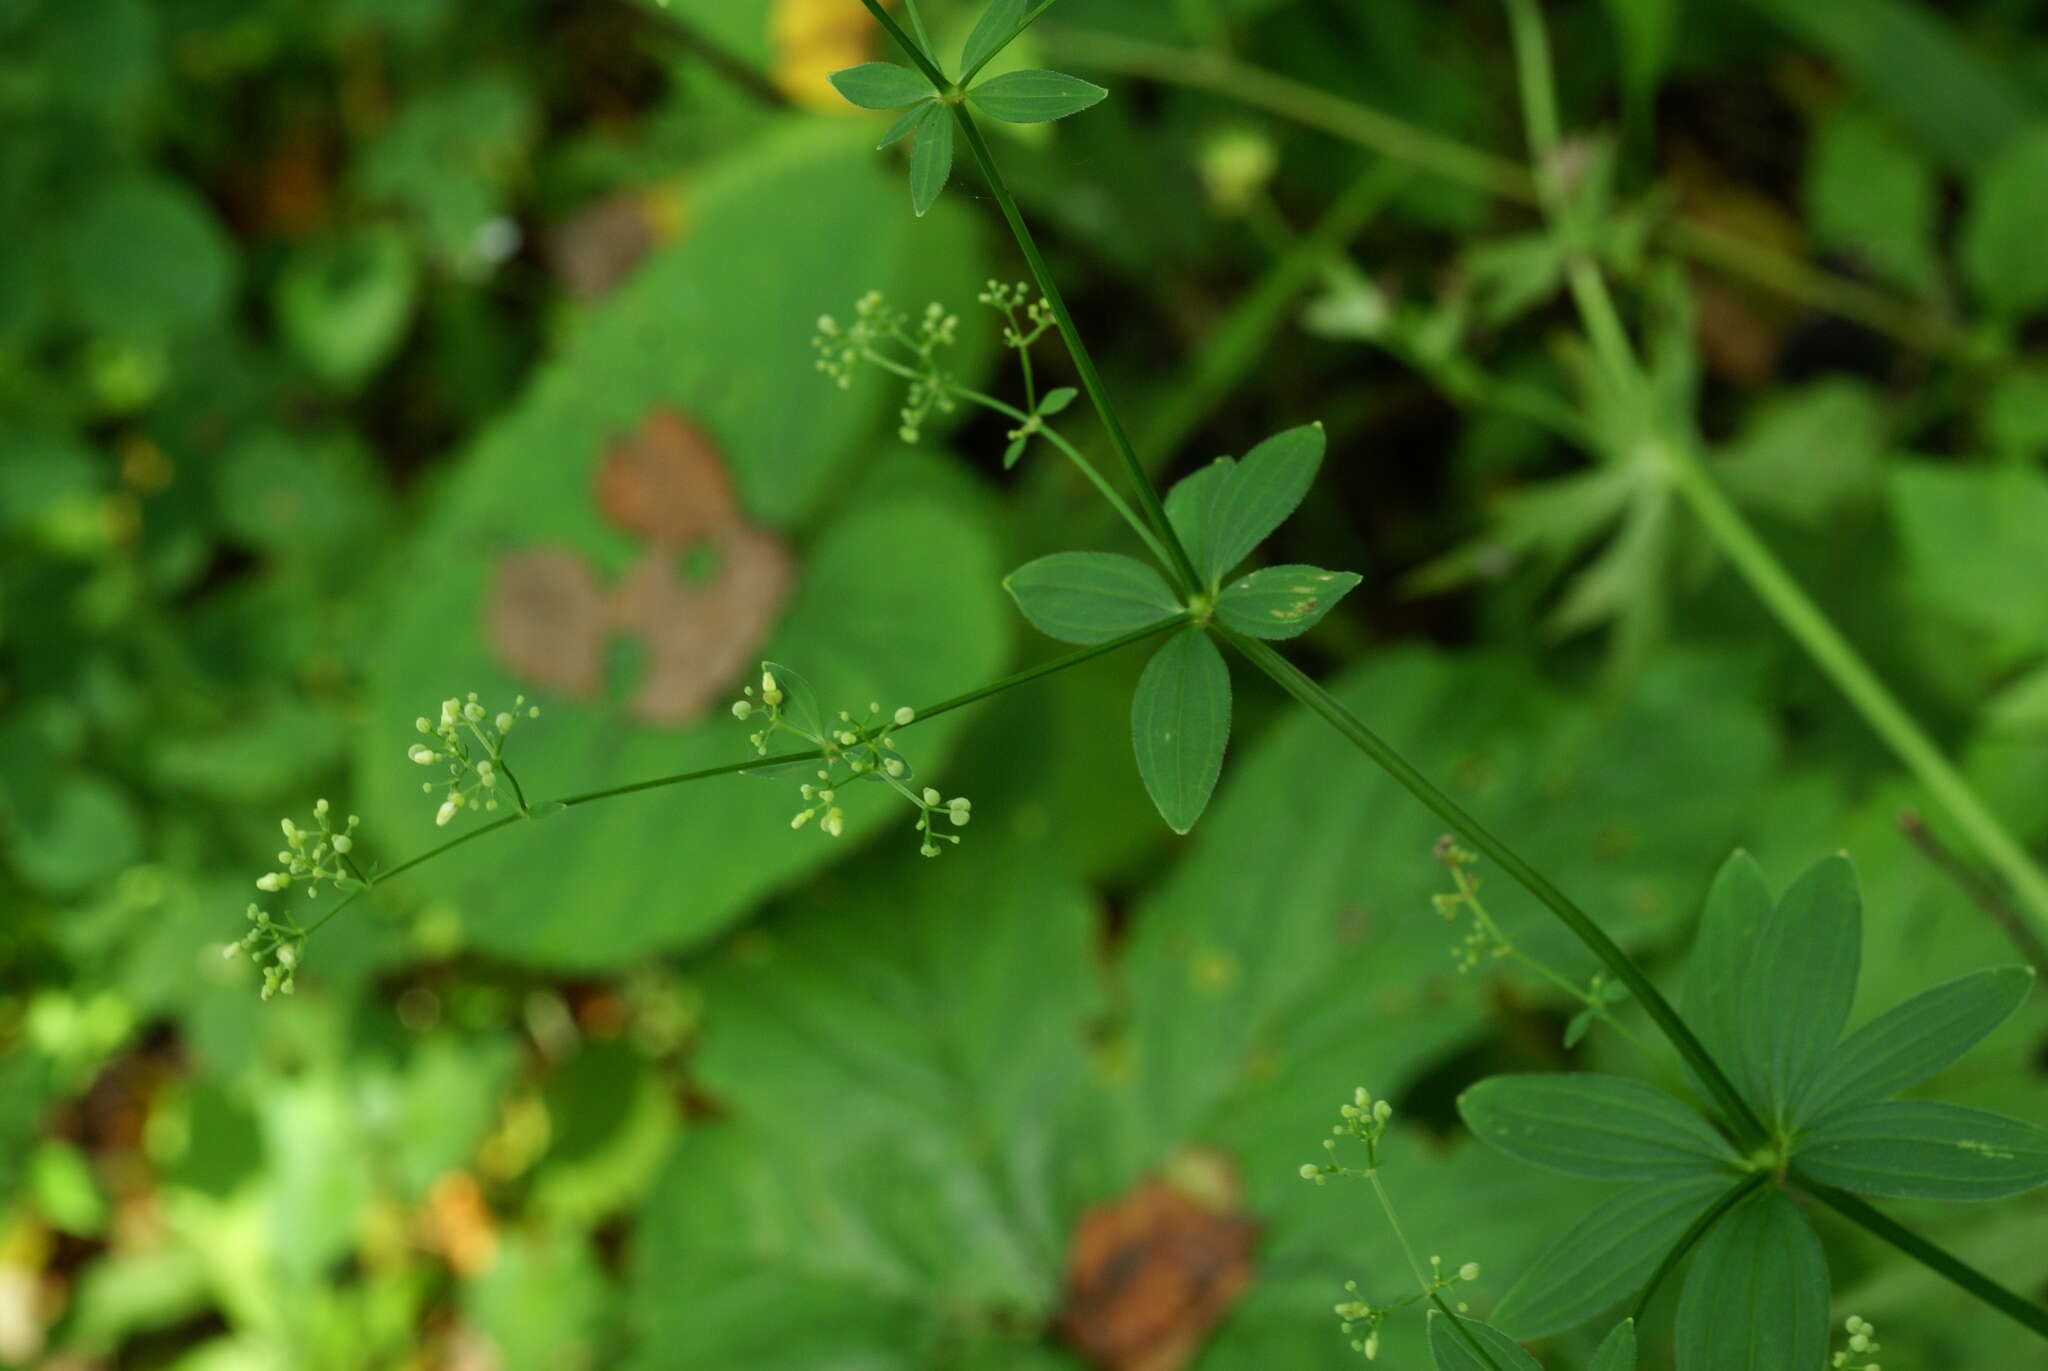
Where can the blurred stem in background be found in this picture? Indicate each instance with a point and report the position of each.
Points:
(1673, 456)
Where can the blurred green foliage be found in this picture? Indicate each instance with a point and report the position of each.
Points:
(313, 319)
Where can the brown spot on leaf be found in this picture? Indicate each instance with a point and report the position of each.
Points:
(596, 248)
(1150, 1274)
(548, 615)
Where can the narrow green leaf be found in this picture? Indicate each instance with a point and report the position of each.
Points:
(1180, 725)
(1449, 1352)
(1057, 400)
(1001, 22)
(1738, 906)
(1923, 1150)
(1909, 1043)
(1606, 1256)
(911, 120)
(931, 159)
(1034, 97)
(1191, 509)
(1090, 597)
(1801, 983)
(1617, 1350)
(1600, 1126)
(1258, 494)
(1756, 1296)
(1282, 601)
(881, 85)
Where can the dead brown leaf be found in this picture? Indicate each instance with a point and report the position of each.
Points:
(1148, 1275)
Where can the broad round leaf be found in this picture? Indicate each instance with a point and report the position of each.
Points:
(1756, 1295)
(1907, 1044)
(1603, 1127)
(1921, 1149)
(1606, 1256)
(1090, 597)
(1282, 601)
(557, 564)
(344, 306)
(1180, 725)
(881, 85)
(2001, 231)
(1034, 96)
(145, 257)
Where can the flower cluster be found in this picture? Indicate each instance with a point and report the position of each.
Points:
(312, 855)
(1862, 1341)
(1365, 1120)
(891, 340)
(471, 748)
(1015, 301)
(849, 750)
(275, 949)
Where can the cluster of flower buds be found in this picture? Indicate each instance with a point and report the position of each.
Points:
(1862, 1341)
(898, 344)
(1363, 1119)
(312, 855)
(1026, 317)
(469, 743)
(274, 947)
(849, 750)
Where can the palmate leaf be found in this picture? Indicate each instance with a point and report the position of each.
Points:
(1180, 726)
(1602, 1127)
(1449, 1352)
(1090, 597)
(1921, 1149)
(1034, 97)
(1282, 601)
(1756, 1294)
(1606, 1256)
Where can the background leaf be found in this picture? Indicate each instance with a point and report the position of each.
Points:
(1180, 726)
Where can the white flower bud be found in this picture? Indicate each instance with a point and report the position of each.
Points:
(741, 709)
(422, 725)
(931, 797)
(834, 822)
(803, 817)
(893, 767)
(343, 843)
(273, 880)
(320, 808)
(905, 715)
(504, 722)
(444, 814)
(473, 712)
(1309, 1171)
(421, 753)
(1469, 1271)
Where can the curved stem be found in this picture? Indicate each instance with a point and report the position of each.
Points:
(1936, 1259)
(1734, 1109)
(1429, 1291)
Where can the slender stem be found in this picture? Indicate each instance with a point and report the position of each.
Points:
(1981, 892)
(1735, 1195)
(1178, 564)
(1937, 1259)
(1429, 1291)
(924, 38)
(1010, 682)
(1787, 601)
(1843, 665)
(1081, 462)
(911, 47)
(1290, 678)
(1311, 107)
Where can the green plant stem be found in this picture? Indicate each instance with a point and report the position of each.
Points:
(1178, 563)
(1735, 1195)
(1735, 1110)
(546, 807)
(1082, 464)
(1943, 1263)
(1429, 1291)
(1311, 107)
(1783, 596)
